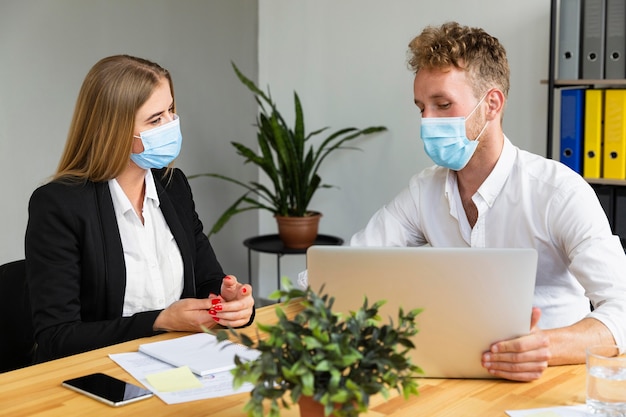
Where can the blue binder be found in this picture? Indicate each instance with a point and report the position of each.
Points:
(572, 116)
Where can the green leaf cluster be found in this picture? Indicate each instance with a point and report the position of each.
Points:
(339, 361)
(287, 158)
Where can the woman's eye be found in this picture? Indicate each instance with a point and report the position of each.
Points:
(156, 121)
(444, 106)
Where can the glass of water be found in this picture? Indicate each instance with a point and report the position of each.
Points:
(606, 380)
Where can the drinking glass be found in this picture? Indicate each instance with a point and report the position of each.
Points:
(606, 380)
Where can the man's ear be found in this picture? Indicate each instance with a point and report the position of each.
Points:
(495, 100)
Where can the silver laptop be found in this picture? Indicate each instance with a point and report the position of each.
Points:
(470, 297)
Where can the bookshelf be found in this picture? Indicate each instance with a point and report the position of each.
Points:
(611, 192)
(589, 83)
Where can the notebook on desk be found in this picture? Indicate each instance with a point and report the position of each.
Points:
(470, 297)
(200, 352)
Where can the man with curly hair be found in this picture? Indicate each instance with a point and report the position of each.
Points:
(486, 192)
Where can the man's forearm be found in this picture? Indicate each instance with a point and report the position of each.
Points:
(568, 344)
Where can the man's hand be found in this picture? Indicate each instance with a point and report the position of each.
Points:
(520, 359)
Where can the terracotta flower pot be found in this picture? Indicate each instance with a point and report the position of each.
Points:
(298, 232)
(311, 408)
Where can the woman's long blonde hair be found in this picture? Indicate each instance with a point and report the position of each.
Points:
(100, 138)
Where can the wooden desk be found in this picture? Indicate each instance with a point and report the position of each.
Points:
(37, 391)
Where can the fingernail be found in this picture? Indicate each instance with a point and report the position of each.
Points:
(216, 319)
(215, 301)
(244, 290)
(212, 312)
(218, 307)
(227, 277)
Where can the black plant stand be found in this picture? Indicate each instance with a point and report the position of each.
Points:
(273, 244)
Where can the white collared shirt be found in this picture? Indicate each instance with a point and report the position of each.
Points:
(527, 201)
(154, 266)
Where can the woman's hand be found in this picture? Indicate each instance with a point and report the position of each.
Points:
(186, 315)
(234, 306)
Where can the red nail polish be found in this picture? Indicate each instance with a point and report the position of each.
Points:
(212, 312)
(216, 319)
(218, 307)
(244, 290)
(227, 277)
(215, 301)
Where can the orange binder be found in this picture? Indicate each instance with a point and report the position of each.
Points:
(614, 154)
(592, 137)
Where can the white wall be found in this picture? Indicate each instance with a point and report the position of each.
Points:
(347, 61)
(46, 49)
(345, 58)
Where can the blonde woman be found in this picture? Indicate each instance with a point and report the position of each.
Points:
(114, 248)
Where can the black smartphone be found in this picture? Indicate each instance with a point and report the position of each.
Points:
(109, 390)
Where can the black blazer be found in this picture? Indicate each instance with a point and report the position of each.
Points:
(75, 264)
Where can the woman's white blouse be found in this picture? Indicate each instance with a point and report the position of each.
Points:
(154, 266)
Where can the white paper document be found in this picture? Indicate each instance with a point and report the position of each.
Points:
(201, 352)
(564, 411)
(140, 365)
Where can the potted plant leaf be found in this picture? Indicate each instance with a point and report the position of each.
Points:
(290, 161)
(324, 360)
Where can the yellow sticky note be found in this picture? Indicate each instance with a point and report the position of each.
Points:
(176, 379)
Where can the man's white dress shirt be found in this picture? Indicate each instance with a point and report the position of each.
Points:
(527, 201)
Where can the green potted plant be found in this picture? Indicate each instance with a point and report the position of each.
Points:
(332, 361)
(291, 163)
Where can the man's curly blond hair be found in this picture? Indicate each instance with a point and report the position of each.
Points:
(470, 49)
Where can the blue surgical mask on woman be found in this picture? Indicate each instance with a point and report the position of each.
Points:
(161, 145)
(445, 140)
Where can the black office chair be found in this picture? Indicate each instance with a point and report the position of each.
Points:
(17, 341)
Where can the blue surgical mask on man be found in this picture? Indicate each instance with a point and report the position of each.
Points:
(445, 140)
(161, 145)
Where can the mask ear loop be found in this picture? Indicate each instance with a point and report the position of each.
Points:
(472, 112)
(481, 132)
(478, 104)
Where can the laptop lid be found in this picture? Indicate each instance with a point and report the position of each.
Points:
(471, 297)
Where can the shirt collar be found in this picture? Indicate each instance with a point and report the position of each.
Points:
(493, 184)
(122, 204)
(151, 192)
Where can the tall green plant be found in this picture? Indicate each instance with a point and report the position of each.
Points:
(291, 166)
(339, 361)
